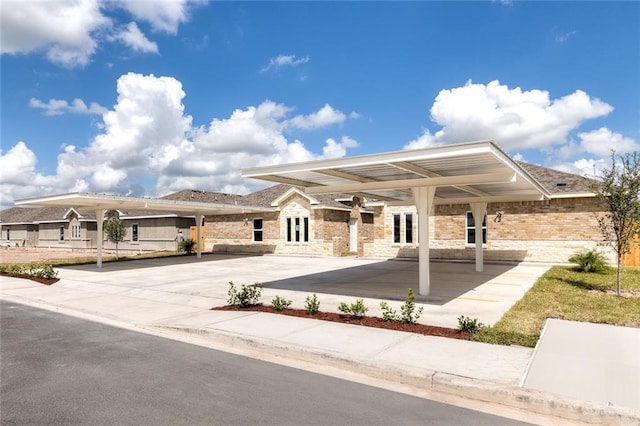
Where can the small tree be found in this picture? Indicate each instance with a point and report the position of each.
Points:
(187, 245)
(619, 190)
(115, 229)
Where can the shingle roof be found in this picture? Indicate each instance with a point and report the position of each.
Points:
(557, 182)
(40, 214)
(204, 197)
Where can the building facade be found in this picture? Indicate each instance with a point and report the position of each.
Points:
(293, 222)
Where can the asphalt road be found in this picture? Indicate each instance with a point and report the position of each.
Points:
(57, 369)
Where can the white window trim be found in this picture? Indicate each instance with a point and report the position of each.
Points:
(136, 241)
(289, 226)
(254, 229)
(485, 227)
(403, 229)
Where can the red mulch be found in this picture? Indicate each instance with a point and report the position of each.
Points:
(45, 281)
(375, 322)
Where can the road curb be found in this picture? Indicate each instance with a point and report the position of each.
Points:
(481, 390)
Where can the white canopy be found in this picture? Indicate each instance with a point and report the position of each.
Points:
(476, 173)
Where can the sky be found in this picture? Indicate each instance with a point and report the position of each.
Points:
(146, 98)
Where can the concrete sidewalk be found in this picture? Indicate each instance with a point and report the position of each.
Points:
(162, 298)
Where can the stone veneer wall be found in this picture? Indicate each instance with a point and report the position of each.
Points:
(328, 233)
(543, 231)
(233, 234)
(333, 228)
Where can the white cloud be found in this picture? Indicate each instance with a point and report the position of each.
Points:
(564, 37)
(333, 149)
(58, 106)
(147, 138)
(132, 36)
(588, 167)
(70, 31)
(600, 142)
(323, 117)
(514, 118)
(64, 29)
(163, 15)
(284, 61)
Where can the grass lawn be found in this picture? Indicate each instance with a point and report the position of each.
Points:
(567, 294)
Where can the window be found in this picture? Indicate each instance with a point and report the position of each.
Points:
(257, 230)
(403, 228)
(471, 229)
(396, 228)
(297, 229)
(8, 233)
(61, 237)
(408, 228)
(134, 232)
(75, 232)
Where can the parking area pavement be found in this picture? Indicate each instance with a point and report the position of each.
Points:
(456, 289)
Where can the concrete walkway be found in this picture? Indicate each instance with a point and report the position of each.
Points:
(590, 362)
(175, 296)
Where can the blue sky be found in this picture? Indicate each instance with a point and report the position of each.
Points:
(150, 97)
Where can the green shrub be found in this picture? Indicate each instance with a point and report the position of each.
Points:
(589, 261)
(280, 303)
(469, 325)
(38, 270)
(43, 270)
(408, 312)
(312, 304)
(388, 314)
(356, 309)
(248, 295)
(187, 245)
(15, 269)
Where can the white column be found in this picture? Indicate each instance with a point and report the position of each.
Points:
(353, 235)
(199, 218)
(100, 237)
(424, 200)
(478, 210)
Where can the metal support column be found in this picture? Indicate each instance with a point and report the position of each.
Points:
(199, 219)
(423, 197)
(99, 236)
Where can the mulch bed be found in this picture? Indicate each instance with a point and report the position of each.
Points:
(375, 322)
(45, 281)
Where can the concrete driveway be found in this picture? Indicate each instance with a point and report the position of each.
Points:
(456, 289)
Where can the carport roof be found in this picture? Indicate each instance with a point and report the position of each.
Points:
(462, 173)
(117, 202)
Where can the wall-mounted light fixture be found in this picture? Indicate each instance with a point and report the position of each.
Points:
(498, 217)
(246, 221)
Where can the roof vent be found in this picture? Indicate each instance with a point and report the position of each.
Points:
(561, 184)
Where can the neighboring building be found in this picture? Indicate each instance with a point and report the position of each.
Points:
(71, 228)
(293, 222)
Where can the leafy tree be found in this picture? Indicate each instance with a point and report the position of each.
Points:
(115, 229)
(619, 190)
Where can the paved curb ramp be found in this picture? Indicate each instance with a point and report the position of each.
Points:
(591, 362)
